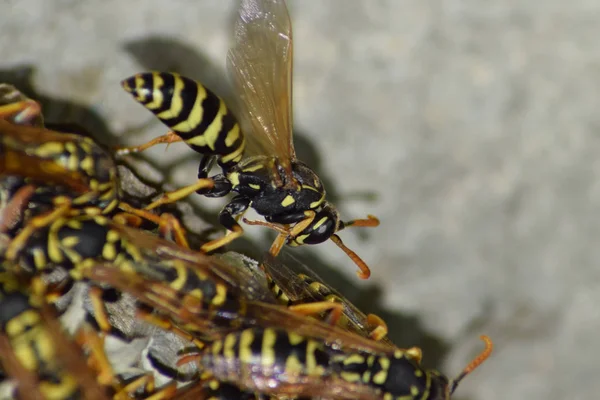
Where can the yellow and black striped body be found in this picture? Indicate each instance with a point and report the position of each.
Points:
(203, 121)
(80, 243)
(192, 111)
(32, 343)
(61, 163)
(278, 361)
(261, 360)
(394, 376)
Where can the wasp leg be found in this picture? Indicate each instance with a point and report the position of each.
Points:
(205, 166)
(301, 220)
(168, 224)
(97, 358)
(12, 212)
(280, 240)
(171, 197)
(21, 113)
(381, 329)
(227, 217)
(36, 223)
(270, 225)
(100, 314)
(169, 138)
(318, 307)
(147, 383)
(167, 325)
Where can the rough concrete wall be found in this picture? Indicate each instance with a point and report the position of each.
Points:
(468, 127)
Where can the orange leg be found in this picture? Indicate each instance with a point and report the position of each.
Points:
(169, 138)
(318, 307)
(100, 314)
(85, 337)
(381, 329)
(220, 242)
(168, 224)
(36, 223)
(172, 197)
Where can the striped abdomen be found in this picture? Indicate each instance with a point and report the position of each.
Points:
(255, 356)
(192, 111)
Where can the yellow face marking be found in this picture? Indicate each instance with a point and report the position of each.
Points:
(49, 149)
(288, 201)
(298, 240)
(267, 358)
(157, 95)
(320, 222)
(246, 339)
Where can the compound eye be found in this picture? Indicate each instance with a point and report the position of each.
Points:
(321, 229)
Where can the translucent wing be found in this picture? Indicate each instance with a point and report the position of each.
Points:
(285, 271)
(260, 65)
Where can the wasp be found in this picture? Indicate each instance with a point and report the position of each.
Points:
(69, 171)
(282, 362)
(36, 351)
(167, 277)
(260, 167)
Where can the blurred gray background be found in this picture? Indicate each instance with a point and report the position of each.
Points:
(468, 127)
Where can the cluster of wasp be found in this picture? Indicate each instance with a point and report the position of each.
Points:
(100, 299)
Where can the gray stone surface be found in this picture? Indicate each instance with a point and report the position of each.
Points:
(468, 127)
